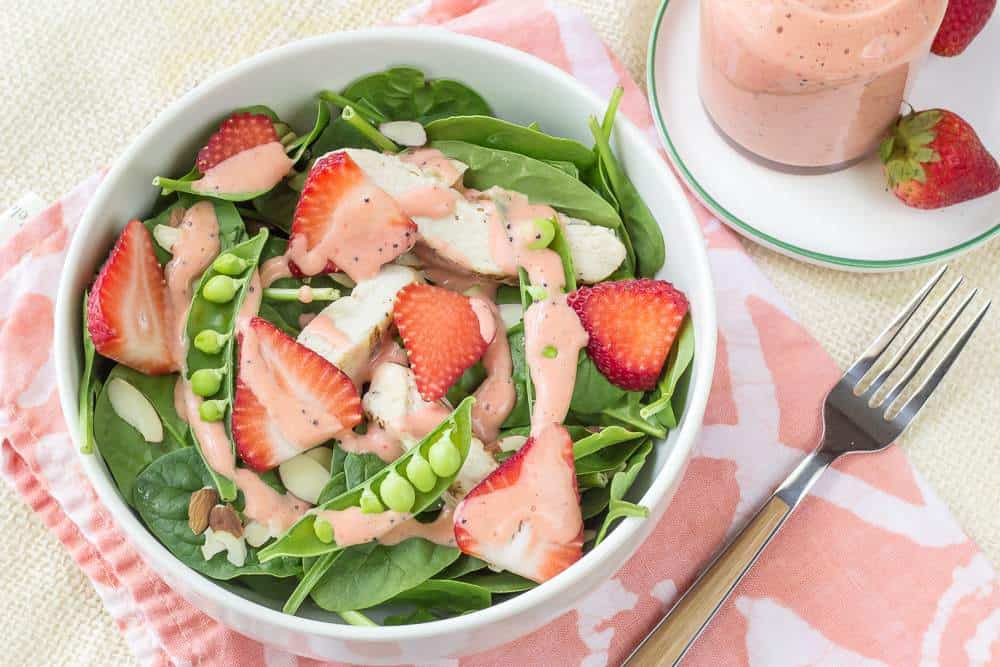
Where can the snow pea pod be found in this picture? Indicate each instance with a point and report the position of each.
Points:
(220, 319)
(540, 182)
(90, 387)
(504, 135)
(302, 540)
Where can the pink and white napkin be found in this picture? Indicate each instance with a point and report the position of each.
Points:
(872, 571)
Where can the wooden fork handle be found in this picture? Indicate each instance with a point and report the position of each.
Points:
(669, 641)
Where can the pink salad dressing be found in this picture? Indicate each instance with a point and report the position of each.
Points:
(423, 421)
(274, 270)
(195, 248)
(256, 169)
(434, 162)
(811, 82)
(375, 440)
(352, 526)
(485, 314)
(440, 531)
(305, 319)
(305, 294)
(495, 397)
(325, 328)
(362, 235)
(511, 218)
(431, 202)
(552, 324)
(251, 303)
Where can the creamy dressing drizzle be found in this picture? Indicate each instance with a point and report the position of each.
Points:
(253, 170)
(195, 248)
(305, 294)
(496, 396)
(274, 270)
(352, 526)
(433, 162)
(431, 202)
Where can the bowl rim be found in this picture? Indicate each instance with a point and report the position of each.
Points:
(162, 561)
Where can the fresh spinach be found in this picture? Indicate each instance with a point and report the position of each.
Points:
(465, 564)
(467, 383)
(403, 93)
(162, 218)
(520, 414)
(619, 508)
(642, 228)
(541, 183)
(499, 582)
(335, 487)
(298, 147)
(162, 494)
(358, 468)
(592, 392)
(443, 597)
(625, 412)
(369, 574)
(503, 135)
(123, 448)
(277, 207)
(561, 246)
(681, 354)
(315, 572)
(594, 443)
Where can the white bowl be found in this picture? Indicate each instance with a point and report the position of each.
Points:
(520, 88)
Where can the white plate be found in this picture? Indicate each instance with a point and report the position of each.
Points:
(847, 219)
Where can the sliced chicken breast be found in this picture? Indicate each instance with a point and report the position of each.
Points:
(347, 331)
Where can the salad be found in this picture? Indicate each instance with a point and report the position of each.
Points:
(405, 364)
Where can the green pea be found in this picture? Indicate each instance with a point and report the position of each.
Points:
(550, 352)
(229, 264)
(209, 341)
(370, 504)
(397, 493)
(212, 411)
(544, 233)
(445, 459)
(220, 289)
(206, 382)
(323, 530)
(420, 473)
(537, 293)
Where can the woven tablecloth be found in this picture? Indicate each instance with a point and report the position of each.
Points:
(80, 82)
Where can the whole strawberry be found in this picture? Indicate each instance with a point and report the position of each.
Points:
(934, 158)
(962, 22)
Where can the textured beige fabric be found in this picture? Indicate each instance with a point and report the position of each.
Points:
(80, 80)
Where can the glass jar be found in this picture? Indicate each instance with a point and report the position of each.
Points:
(811, 83)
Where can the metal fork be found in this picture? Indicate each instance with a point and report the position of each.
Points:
(857, 418)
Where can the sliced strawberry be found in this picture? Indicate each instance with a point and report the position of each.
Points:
(632, 325)
(525, 517)
(344, 218)
(288, 398)
(296, 272)
(240, 132)
(441, 334)
(127, 314)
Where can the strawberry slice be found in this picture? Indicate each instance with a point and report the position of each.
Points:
(240, 132)
(127, 314)
(296, 272)
(632, 325)
(288, 398)
(525, 517)
(441, 334)
(345, 219)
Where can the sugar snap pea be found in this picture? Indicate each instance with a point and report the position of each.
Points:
(90, 387)
(210, 325)
(301, 540)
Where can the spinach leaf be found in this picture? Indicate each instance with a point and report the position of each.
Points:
(520, 415)
(499, 582)
(298, 147)
(402, 93)
(678, 361)
(270, 313)
(594, 501)
(359, 467)
(568, 167)
(368, 574)
(607, 460)
(619, 508)
(317, 569)
(541, 183)
(504, 135)
(594, 443)
(443, 597)
(121, 446)
(625, 412)
(162, 493)
(465, 564)
(335, 487)
(162, 218)
(414, 617)
(270, 588)
(277, 207)
(639, 222)
(561, 246)
(508, 294)
(90, 386)
(467, 383)
(592, 392)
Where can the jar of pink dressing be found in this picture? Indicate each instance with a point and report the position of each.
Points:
(811, 83)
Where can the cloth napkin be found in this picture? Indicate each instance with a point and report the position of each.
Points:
(873, 570)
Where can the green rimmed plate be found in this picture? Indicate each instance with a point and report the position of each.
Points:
(845, 220)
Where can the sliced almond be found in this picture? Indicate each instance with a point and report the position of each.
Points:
(512, 443)
(135, 409)
(321, 455)
(224, 519)
(257, 534)
(199, 507)
(217, 542)
(405, 132)
(304, 477)
(166, 236)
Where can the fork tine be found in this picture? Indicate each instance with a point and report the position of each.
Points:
(864, 363)
(900, 385)
(897, 357)
(908, 411)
